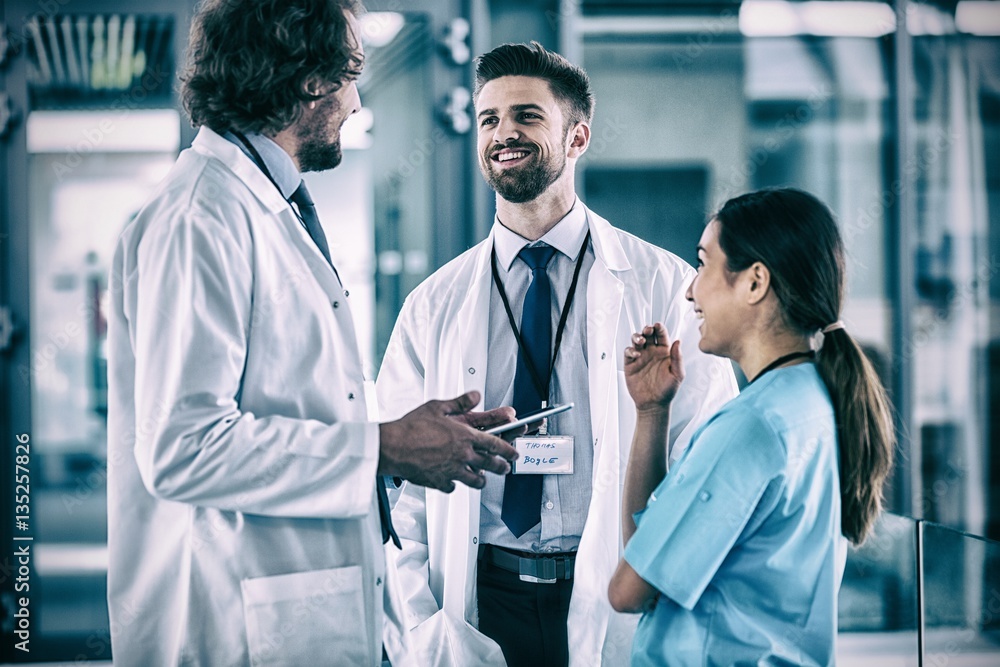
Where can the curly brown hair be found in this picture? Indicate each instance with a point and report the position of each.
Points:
(251, 63)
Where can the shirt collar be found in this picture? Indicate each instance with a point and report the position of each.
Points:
(278, 162)
(566, 236)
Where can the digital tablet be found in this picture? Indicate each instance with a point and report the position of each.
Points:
(529, 418)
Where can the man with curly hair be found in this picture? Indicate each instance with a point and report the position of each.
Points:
(246, 511)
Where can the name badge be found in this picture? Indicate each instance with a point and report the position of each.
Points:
(543, 455)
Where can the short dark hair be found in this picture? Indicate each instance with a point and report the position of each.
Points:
(568, 82)
(795, 236)
(249, 61)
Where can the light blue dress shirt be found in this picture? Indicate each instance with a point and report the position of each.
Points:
(565, 498)
(743, 539)
(279, 163)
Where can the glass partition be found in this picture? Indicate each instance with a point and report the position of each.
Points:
(878, 615)
(919, 593)
(961, 598)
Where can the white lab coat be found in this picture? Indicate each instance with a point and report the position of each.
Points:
(439, 349)
(243, 526)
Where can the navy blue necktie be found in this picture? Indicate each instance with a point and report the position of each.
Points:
(522, 494)
(307, 209)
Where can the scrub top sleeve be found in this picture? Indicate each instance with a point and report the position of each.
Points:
(698, 512)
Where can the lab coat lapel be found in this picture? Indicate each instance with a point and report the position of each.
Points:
(472, 319)
(311, 254)
(264, 190)
(605, 300)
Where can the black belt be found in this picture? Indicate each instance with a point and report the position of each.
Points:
(543, 568)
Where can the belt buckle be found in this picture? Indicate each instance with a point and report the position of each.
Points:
(543, 572)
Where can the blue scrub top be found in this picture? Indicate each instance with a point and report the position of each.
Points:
(742, 538)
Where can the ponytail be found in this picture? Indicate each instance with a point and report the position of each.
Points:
(795, 236)
(866, 436)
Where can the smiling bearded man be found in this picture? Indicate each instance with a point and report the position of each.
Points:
(518, 573)
(532, 178)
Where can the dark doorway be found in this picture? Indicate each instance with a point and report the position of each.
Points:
(666, 206)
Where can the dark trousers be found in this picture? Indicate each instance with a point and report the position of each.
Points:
(527, 620)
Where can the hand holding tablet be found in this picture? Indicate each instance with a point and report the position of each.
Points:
(530, 418)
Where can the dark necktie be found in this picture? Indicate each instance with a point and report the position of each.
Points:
(384, 514)
(522, 494)
(307, 209)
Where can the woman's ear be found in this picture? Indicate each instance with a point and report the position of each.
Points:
(759, 278)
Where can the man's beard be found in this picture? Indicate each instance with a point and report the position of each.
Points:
(527, 182)
(316, 152)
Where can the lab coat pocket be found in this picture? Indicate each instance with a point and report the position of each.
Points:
(443, 641)
(307, 618)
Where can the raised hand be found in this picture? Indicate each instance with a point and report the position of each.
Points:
(436, 444)
(653, 368)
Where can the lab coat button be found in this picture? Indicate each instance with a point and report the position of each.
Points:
(475, 540)
(347, 292)
(350, 396)
(336, 304)
(378, 581)
(472, 371)
(549, 505)
(604, 355)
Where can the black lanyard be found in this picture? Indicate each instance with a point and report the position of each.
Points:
(782, 360)
(259, 161)
(543, 388)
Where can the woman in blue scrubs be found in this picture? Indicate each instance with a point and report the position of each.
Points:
(735, 555)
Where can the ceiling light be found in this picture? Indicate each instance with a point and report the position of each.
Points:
(823, 18)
